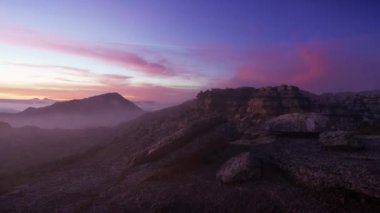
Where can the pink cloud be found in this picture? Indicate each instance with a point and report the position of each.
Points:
(290, 64)
(106, 79)
(44, 67)
(108, 83)
(314, 66)
(349, 64)
(113, 79)
(33, 39)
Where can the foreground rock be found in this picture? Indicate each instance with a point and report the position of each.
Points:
(340, 140)
(311, 166)
(298, 123)
(239, 169)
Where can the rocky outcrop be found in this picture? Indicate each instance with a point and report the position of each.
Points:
(273, 101)
(268, 101)
(233, 101)
(340, 140)
(249, 106)
(362, 102)
(298, 123)
(240, 168)
(352, 111)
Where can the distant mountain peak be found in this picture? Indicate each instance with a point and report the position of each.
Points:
(94, 104)
(114, 95)
(105, 98)
(102, 110)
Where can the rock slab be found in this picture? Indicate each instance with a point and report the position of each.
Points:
(241, 168)
(340, 140)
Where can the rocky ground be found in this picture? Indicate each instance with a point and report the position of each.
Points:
(275, 149)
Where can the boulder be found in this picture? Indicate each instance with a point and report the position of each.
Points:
(298, 123)
(240, 168)
(340, 140)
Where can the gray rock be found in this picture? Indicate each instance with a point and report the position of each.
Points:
(340, 140)
(239, 169)
(256, 141)
(308, 165)
(298, 123)
(273, 101)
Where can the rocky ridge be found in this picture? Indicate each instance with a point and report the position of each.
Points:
(233, 150)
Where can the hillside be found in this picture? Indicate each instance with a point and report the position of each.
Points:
(103, 110)
(273, 149)
(28, 147)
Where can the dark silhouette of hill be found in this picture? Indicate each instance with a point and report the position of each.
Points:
(95, 104)
(102, 110)
(272, 149)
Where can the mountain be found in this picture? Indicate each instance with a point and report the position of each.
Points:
(14, 105)
(272, 149)
(95, 104)
(102, 110)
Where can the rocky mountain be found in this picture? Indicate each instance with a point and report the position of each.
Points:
(274, 149)
(103, 110)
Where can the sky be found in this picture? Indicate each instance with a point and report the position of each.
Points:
(167, 51)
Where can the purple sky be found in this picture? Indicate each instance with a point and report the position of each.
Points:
(166, 51)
